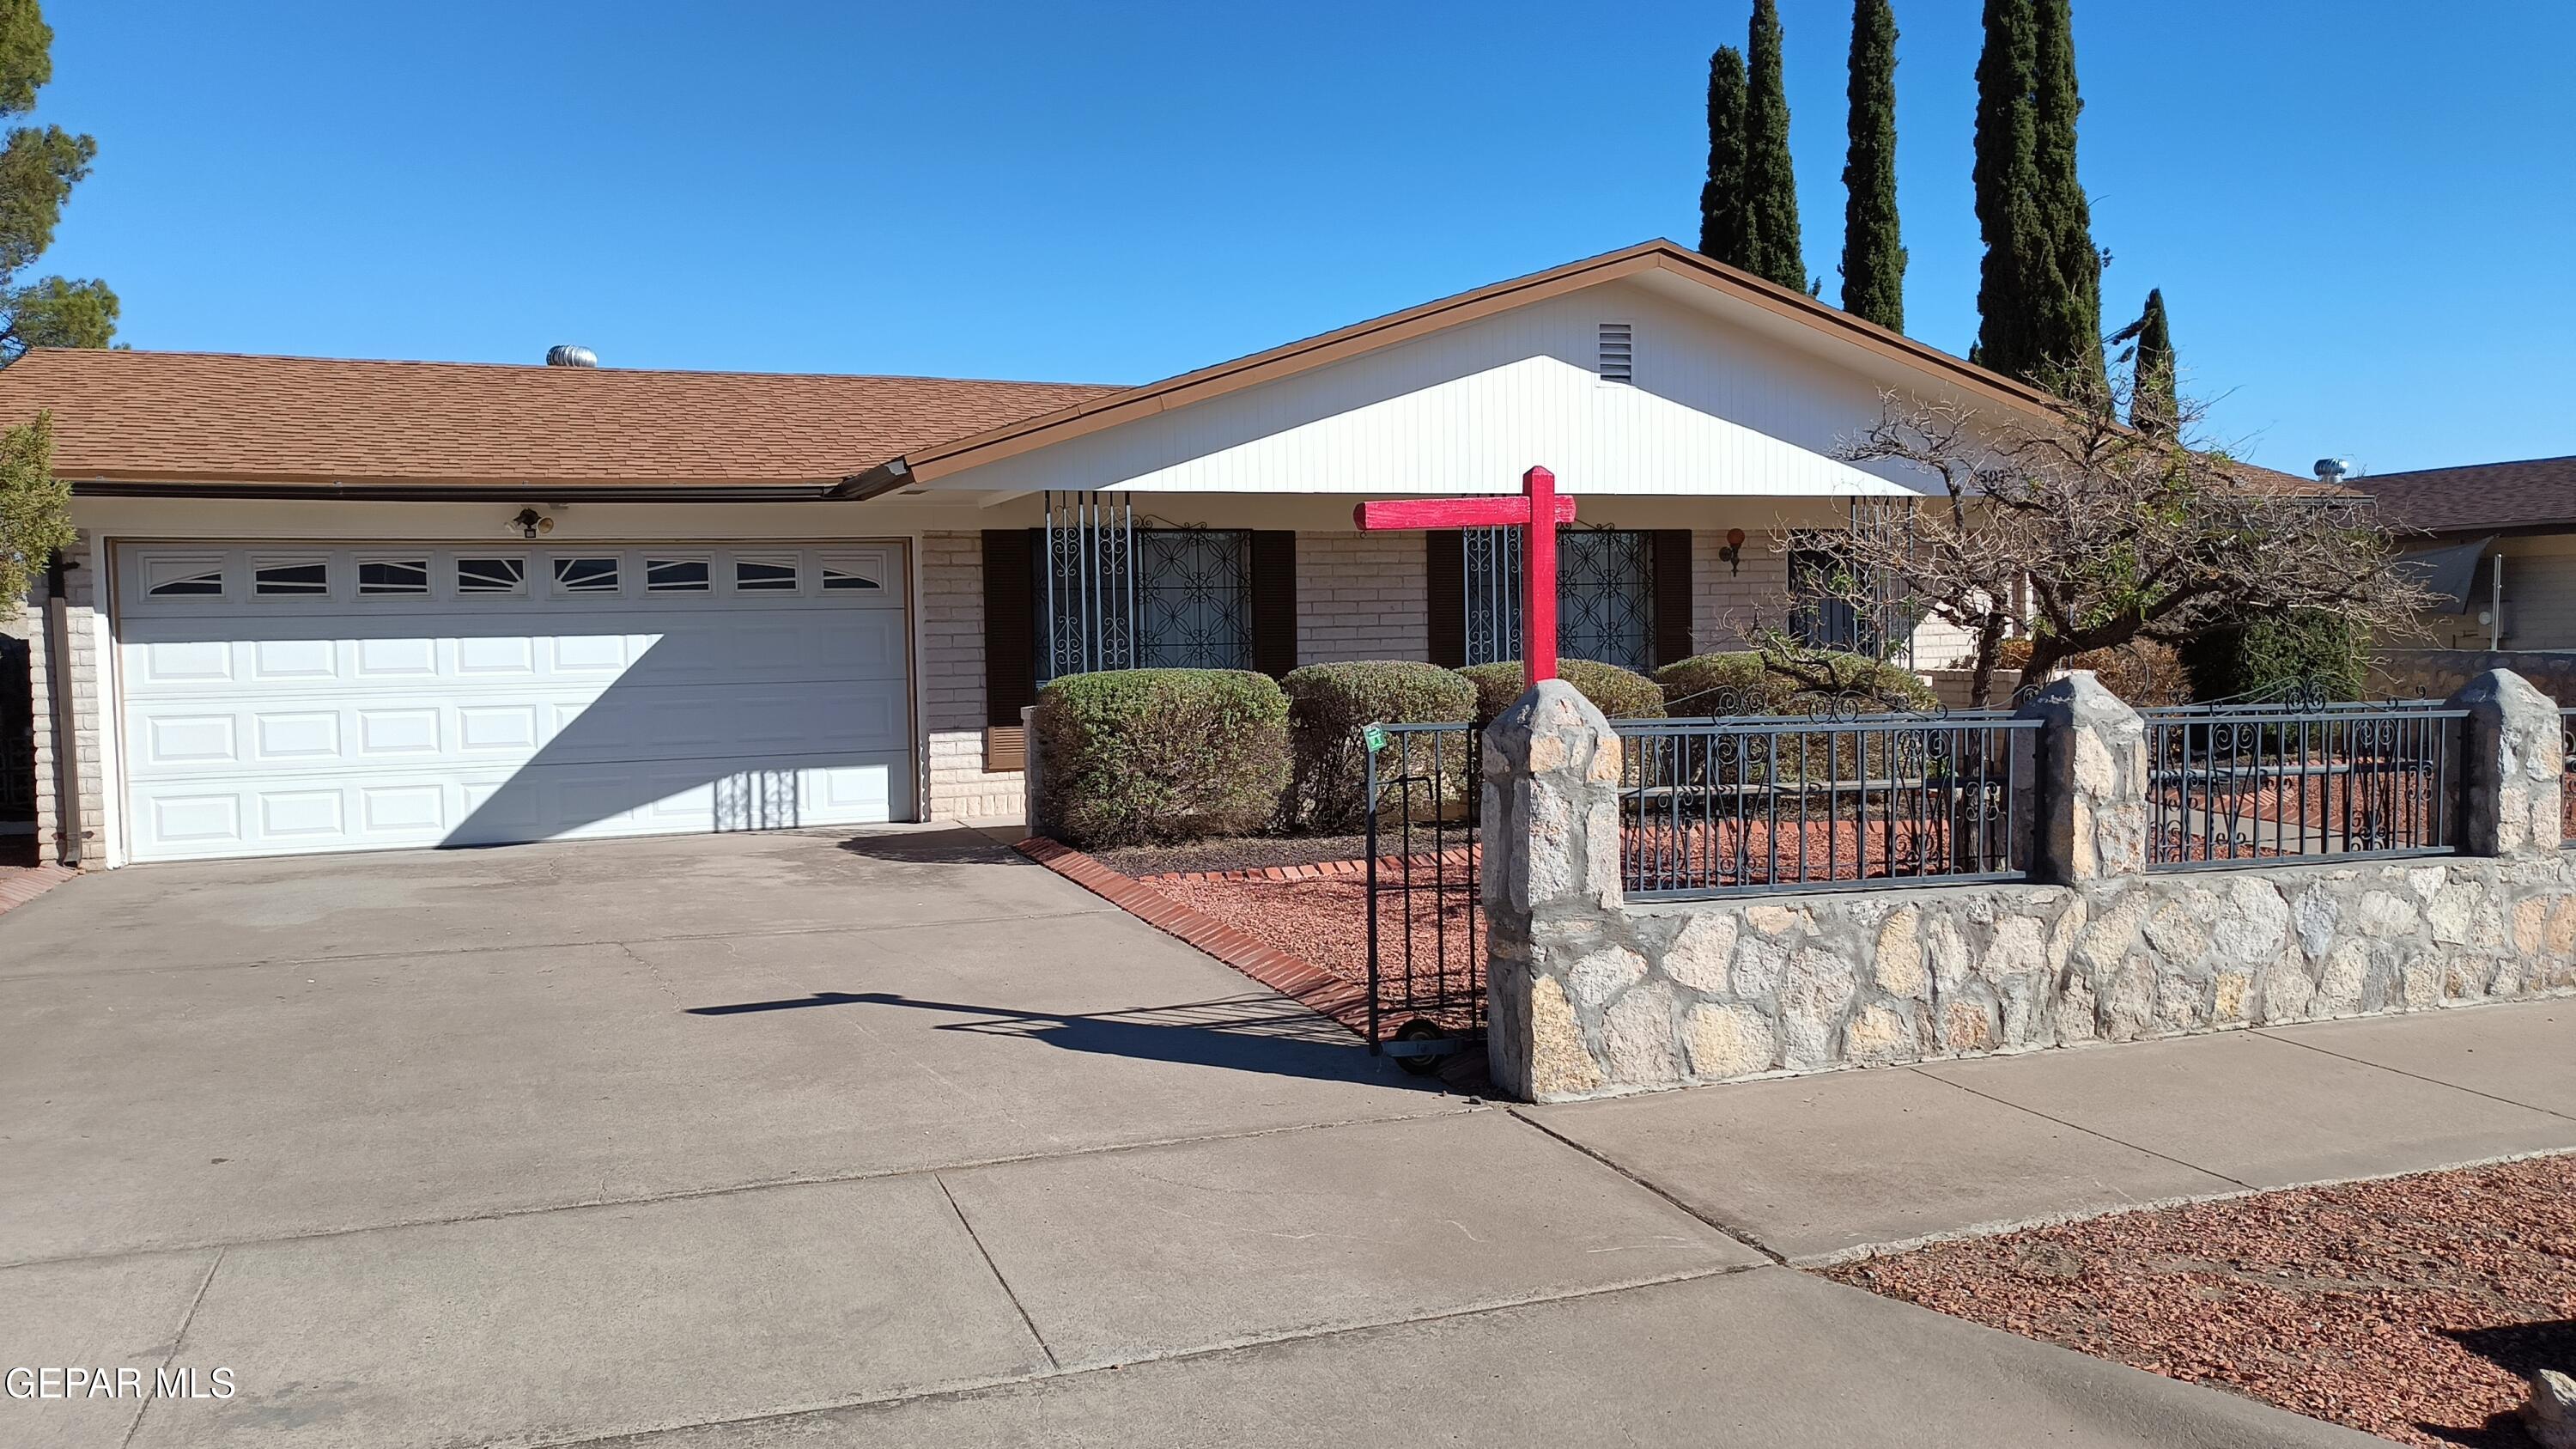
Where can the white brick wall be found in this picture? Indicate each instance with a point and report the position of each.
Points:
(1727, 602)
(83, 676)
(952, 683)
(1361, 596)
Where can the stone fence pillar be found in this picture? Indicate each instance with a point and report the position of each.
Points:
(2091, 780)
(1551, 888)
(2515, 768)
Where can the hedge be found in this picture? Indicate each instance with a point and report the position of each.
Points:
(1328, 706)
(2264, 651)
(1616, 692)
(1739, 683)
(1153, 756)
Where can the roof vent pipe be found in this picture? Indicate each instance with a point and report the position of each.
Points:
(2333, 470)
(569, 354)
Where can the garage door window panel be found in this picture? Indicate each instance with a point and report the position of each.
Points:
(586, 575)
(492, 576)
(852, 571)
(675, 576)
(379, 577)
(764, 575)
(183, 576)
(290, 577)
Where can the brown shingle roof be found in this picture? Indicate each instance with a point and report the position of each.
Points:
(214, 417)
(2481, 497)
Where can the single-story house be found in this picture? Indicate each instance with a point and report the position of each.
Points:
(2496, 544)
(329, 605)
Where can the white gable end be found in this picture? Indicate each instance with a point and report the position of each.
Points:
(1709, 410)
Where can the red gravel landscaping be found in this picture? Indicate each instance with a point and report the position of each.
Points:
(1323, 921)
(2409, 1308)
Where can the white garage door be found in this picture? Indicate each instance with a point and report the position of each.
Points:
(289, 698)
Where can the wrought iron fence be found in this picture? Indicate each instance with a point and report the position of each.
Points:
(1426, 947)
(1726, 806)
(2246, 782)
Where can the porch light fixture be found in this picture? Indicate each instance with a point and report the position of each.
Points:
(1733, 553)
(529, 522)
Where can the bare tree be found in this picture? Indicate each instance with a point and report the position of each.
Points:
(2081, 533)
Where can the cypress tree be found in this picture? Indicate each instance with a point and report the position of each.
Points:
(2155, 404)
(2067, 294)
(1873, 250)
(1770, 184)
(2007, 183)
(1721, 199)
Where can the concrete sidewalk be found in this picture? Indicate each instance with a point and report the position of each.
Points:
(1812, 1169)
(900, 1139)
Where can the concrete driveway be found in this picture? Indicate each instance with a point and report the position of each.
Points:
(813, 1139)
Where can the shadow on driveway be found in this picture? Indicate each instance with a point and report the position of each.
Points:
(935, 847)
(1249, 1033)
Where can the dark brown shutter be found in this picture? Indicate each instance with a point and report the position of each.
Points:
(1274, 601)
(1010, 625)
(1444, 573)
(1672, 594)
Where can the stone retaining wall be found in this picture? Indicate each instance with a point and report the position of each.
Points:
(1591, 996)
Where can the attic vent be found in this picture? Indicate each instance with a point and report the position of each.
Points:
(1617, 353)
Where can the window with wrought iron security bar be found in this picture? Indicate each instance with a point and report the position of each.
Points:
(1111, 594)
(1605, 595)
(1823, 612)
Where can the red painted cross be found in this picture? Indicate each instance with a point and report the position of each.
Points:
(1537, 510)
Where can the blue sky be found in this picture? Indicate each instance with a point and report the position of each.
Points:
(2363, 214)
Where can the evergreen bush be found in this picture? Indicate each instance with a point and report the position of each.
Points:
(1618, 693)
(1329, 705)
(1158, 756)
(2263, 652)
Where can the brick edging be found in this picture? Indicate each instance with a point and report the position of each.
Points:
(1318, 990)
(21, 884)
(1460, 856)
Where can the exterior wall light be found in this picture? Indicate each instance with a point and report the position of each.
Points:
(530, 523)
(1733, 553)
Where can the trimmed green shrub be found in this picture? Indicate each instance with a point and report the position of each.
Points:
(1156, 756)
(2263, 651)
(1328, 706)
(1616, 692)
(1740, 683)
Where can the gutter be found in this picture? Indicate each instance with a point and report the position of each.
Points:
(878, 481)
(71, 830)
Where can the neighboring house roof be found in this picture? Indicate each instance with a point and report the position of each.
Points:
(210, 418)
(1657, 256)
(2532, 495)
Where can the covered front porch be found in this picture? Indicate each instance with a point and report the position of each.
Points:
(1057, 583)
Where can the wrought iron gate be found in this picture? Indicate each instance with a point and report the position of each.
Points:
(1426, 936)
